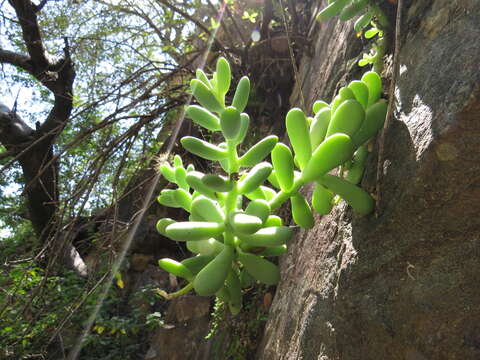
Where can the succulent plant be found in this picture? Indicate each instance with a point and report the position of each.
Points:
(232, 226)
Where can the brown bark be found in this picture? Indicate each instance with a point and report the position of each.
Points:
(33, 147)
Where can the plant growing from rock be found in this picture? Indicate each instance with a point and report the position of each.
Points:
(232, 227)
(369, 14)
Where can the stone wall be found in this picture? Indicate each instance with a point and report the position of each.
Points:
(403, 285)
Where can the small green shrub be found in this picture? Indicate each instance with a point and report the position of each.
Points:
(34, 304)
(26, 319)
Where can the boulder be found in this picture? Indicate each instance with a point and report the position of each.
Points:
(403, 284)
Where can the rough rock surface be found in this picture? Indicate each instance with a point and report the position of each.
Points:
(183, 335)
(403, 285)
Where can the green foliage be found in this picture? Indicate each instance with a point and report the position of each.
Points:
(27, 320)
(369, 14)
(117, 333)
(234, 238)
(33, 305)
(128, 58)
(378, 48)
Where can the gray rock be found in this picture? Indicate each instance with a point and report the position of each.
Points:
(403, 285)
(183, 335)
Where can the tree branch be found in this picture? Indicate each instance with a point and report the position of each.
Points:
(56, 75)
(13, 58)
(216, 42)
(267, 19)
(185, 15)
(27, 16)
(63, 104)
(40, 6)
(15, 135)
(34, 148)
(13, 130)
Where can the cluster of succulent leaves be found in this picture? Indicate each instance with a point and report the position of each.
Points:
(231, 227)
(370, 15)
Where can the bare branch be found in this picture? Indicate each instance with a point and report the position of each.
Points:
(216, 42)
(267, 19)
(56, 75)
(185, 15)
(13, 58)
(138, 12)
(40, 6)
(63, 104)
(26, 14)
(13, 130)
(16, 135)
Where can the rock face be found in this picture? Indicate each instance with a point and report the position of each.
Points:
(403, 285)
(183, 335)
